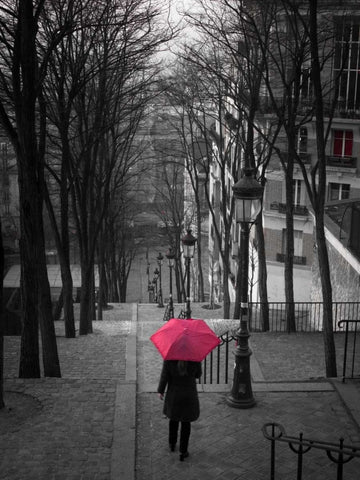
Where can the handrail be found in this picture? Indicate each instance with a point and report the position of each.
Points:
(338, 453)
(347, 322)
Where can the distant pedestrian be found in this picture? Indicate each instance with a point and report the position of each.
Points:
(181, 400)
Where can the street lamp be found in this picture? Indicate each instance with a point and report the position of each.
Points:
(170, 255)
(160, 259)
(151, 288)
(156, 276)
(188, 242)
(248, 201)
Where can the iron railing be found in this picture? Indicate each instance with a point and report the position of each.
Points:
(308, 315)
(216, 365)
(338, 453)
(308, 318)
(351, 330)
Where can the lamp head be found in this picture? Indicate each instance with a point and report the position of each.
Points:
(248, 194)
(160, 259)
(170, 255)
(188, 242)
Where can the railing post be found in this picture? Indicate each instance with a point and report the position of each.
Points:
(345, 351)
(272, 466)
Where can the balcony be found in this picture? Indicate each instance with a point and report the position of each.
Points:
(342, 162)
(304, 157)
(281, 208)
(280, 257)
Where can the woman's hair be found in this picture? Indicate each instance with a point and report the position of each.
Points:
(182, 367)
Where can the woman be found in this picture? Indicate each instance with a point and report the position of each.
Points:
(181, 400)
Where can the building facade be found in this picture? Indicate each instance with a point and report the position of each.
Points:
(342, 171)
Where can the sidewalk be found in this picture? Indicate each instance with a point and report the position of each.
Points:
(103, 420)
(228, 443)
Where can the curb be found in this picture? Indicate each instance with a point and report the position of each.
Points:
(274, 387)
(124, 436)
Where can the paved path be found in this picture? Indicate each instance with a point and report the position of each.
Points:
(103, 421)
(227, 443)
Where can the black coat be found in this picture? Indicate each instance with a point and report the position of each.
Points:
(181, 400)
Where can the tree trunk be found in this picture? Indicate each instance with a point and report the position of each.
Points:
(29, 366)
(2, 268)
(200, 279)
(58, 306)
(237, 309)
(102, 277)
(179, 279)
(319, 197)
(324, 268)
(47, 328)
(86, 298)
(69, 319)
(30, 147)
(289, 255)
(262, 275)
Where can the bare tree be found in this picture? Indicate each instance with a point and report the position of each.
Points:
(239, 71)
(100, 77)
(198, 101)
(23, 117)
(317, 191)
(298, 83)
(169, 192)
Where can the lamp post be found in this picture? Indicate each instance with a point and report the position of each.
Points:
(248, 197)
(160, 259)
(188, 242)
(170, 255)
(151, 288)
(156, 276)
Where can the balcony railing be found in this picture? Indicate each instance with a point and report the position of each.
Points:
(298, 260)
(281, 208)
(344, 162)
(297, 209)
(304, 157)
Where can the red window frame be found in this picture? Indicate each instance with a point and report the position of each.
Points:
(343, 143)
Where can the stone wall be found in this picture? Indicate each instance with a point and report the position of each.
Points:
(345, 279)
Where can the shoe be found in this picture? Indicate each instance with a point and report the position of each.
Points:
(183, 456)
(172, 447)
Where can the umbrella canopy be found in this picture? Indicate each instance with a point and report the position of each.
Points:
(189, 340)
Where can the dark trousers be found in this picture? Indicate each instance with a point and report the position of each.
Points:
(184, 434)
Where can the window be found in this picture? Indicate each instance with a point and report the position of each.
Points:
(343, 143)
(347, 63)
(338, 191)
(296, 192)
(298, 242)
(306, 85)
(303, 139)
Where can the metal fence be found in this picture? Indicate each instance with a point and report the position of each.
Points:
(350, 343)
(338, 453)
(216, 365)
(308, 315)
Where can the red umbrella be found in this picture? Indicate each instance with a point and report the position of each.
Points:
(189, 340)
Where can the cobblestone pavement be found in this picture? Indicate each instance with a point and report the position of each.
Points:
(84, 426)
(63, 428)
(228, 443)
